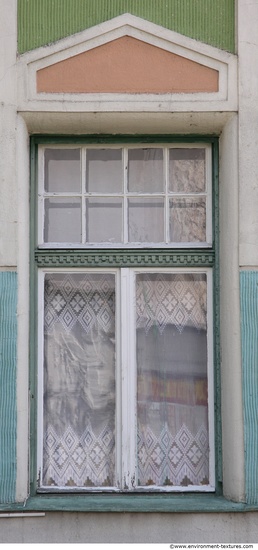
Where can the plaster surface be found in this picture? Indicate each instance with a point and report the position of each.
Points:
(131, 528)
(8, 101)
(231, 373)
(22, 450)
(127, 65)
(248, 131)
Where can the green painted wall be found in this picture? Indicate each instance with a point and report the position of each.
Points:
(8, 336)
(249, 320)
(43, 21)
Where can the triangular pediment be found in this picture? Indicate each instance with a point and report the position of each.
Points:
(124, 57)
(127, 65)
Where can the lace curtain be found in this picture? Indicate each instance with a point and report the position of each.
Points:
(79, 380)
(173, 445)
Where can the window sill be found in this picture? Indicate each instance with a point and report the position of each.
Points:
(183, 503)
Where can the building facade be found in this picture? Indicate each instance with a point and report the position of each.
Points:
(128, 278)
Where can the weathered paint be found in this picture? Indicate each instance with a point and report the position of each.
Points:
(127, 65)
(248, 132)
(8, 336)
(41, 22)
(249, 322)
(131, 528)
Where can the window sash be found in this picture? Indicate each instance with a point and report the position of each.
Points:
(126, 378)
(125, 196)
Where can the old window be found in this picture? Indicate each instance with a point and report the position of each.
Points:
(125, 318)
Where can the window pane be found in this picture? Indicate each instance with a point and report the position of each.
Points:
(171, 319)
(146, 220)
(79, 380)
(187, 170)
(62, 170)
(62, 220)
(104, 173)
(104, 220)
(188, 219)
(145, 170)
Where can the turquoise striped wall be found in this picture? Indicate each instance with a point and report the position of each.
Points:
(43, 21)
(8, 337)
(249, 320)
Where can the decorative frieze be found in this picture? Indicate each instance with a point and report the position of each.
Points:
(124, 258)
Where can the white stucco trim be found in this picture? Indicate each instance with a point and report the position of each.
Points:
(248, 131)
(128, 25)
(198, 123)
(230, 334)
(22, 447)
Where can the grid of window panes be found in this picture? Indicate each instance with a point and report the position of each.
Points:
(125, 380)
(125, 196)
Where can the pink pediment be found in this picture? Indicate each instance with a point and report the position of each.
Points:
(127, 65)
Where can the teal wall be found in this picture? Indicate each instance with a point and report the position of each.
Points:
(249, 320)
(44, 21)
(8, 337)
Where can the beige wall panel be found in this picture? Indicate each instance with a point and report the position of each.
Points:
(248, 131)
(131, 528)
(127, 65)
(8, 212)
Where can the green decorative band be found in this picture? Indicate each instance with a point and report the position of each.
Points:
(249, 321)
(41, 22)
(124, 258)
(8, 336)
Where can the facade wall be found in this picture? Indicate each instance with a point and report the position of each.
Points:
(41, 22)
(237, 128)
(133, 528)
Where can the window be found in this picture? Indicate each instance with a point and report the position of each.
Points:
(125, 262)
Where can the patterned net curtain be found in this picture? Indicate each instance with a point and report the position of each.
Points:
(79, 380)
(171, 319)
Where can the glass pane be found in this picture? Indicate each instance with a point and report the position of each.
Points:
(62, 220)
(171, 339)
(146, 220)
(145, 170)
(104, 220)
(104, 172)
(79, 380)
(187, 219)
(187, 170)
(62, 170)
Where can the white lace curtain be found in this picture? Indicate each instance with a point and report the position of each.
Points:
(79, 380)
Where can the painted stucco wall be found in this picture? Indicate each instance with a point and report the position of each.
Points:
(131, 528)
(43, 21)
(248, 230)
(8, 254)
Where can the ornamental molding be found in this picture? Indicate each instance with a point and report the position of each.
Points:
(128, 258)
(145, 33)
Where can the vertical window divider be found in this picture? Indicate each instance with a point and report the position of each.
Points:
(118, 430)
(40, 384)
(41, 175)
(125, 199)
(210, 371)
(128, 380)
(83, 193)
(166, 174)
(208, 173)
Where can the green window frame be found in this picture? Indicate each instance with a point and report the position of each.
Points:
(130, 257)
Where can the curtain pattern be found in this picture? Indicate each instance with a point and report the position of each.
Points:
(79, 380)
(171, 318)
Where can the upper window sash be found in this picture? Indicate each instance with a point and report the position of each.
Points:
(135, 196)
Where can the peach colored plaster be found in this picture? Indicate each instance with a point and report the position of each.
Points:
(127, 65)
